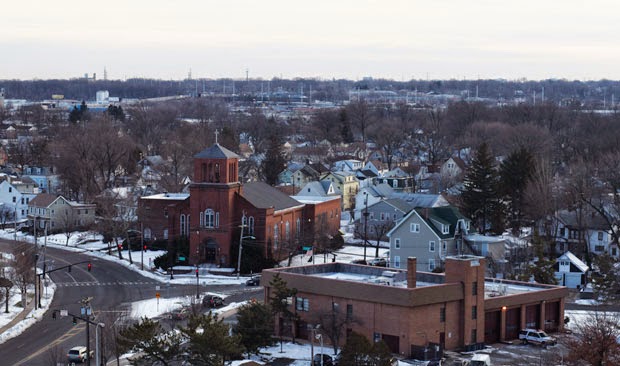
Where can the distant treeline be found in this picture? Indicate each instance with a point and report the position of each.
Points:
(601, 93)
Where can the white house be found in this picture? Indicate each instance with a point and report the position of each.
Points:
(570, 271)
(15, 196)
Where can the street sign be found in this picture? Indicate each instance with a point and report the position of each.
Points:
(181, 258)
(64, 312)
(157, 295)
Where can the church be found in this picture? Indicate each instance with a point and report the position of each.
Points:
(220, 210)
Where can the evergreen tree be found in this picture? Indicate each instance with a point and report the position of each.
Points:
(358, 351)
(255, 326)
(274, 162)
(279, 303)
(209, 343)
(480, 199)
(515, 173)
(116, 112)
(151, 343)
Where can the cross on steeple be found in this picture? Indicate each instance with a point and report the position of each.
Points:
(216, 133)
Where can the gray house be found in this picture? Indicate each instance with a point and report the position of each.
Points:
(429, 234)
(382, 216)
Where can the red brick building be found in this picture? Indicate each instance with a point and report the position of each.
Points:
(417, 314)
(218, 205)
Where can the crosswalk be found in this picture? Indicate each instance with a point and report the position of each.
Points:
(97, 283)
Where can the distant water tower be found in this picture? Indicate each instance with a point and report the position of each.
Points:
(103, 97)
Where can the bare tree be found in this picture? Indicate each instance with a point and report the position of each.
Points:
(23, 268)
(595, 340)
(361, 116)
(334, 321)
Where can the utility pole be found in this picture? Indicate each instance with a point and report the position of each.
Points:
(240, 245)
(365, 223)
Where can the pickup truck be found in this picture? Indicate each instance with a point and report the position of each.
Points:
(537, 337)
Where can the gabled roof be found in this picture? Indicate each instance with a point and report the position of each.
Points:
(216, 151)
(586, 221)
(43, 200)
(444, 215)
(399, 204)
(262, 195)
(380, 190)
(574, 260)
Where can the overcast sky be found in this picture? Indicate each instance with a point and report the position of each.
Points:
(398, 39)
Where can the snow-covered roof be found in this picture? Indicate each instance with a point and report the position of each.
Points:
(574, 260)
(167, 196)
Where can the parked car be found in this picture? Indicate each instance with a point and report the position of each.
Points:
(537, 337)
(212, 301)
(253, 281)
(179, 314)
(327, 360)
(359, 261)
(78, 354)
(379, 262)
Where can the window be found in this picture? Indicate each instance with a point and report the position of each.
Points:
(600, 236)
(217, 219)
(276, 233)
(302, 304)
(442, 315)
(166, 234)
(287, 231)
(251, 225)
(209, 218)
(414, 227)
(182, 225)
(397, 262)
(444, 247)
(166, 213)
(431, 246)
(474, 288)
(10, 189)
(298, 228)
(397, 243)
(445, 229)
(14, 199)
(147, 233)
(349, 311)
(202, 221)
(599, 248)
(371, 215)
(431, 264)
(22, 200)
(474, 312)
(562, 231)
(382, 216)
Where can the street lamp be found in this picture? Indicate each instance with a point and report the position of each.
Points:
(97, 354)
(197, 286)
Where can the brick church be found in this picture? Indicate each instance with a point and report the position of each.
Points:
(218, 205)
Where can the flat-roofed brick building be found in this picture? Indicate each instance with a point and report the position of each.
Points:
(417, 314)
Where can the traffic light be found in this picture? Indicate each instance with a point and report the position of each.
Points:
(144, 248)
(90, 266)
(74, 320)
(196, 272)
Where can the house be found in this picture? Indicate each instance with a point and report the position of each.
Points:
(320, 189)
(416, 313)
(347, 183)
(573, 230)
(453, 168)
(56, 213)
(398, 179)
(349, 165)
(15, 195)
(44, 177)
(308, 173)
(571, 271)
(491, 246)
(429, 234)
(380, 217)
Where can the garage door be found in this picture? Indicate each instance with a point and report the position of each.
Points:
(532, 316)
(552, 316)
(492, 326)
(513, 323)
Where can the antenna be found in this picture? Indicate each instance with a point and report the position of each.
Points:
(216, 133)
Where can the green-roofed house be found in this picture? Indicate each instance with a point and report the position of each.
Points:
(430, 234)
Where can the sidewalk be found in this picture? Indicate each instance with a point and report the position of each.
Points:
(21, 316)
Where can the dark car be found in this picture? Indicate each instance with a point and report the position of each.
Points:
(212, 301)
(327, 360)
(253, 281)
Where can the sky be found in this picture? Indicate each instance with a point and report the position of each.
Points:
(396, 39)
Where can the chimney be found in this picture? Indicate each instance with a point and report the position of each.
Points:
(411, 271)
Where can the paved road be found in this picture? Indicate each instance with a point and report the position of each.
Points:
(111, 286)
